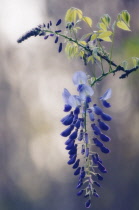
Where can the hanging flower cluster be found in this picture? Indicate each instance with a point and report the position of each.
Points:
(86, 124)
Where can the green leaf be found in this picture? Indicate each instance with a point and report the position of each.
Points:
(107, 39)
(72, 14)
(82, 43)
(105, 34)
(90, 58)
(135, 61)
(93, 37)
(126, 17)
(106, 19)
(87, 20)
(85, 36)
(122, 25)
(81, 53)
(102, 26)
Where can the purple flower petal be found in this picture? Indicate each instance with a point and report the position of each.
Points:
(106, 95)
(79, 77)
(88, 204)
(66, 94)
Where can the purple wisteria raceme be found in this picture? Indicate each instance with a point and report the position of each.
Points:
(86, 126)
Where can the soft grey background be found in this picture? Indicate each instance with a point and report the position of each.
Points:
(33, 170)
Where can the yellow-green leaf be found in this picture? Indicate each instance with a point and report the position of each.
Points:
(126, 17)
(83, 43)
(102, 26)
(85, 36)
(123, 26)
(93, 37)
(107, 39)
(105, 34)
(90, 58)
(106, 19)
(81, 54)
(135, 61)
(72, 13)
(88, 20)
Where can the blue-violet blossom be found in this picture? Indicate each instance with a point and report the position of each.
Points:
(86, 126)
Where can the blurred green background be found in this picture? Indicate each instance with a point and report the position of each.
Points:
(33, 170)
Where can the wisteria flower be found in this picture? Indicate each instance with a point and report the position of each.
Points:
(86, 130)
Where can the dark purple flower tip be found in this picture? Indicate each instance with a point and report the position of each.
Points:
(51, 34)
(77, 110)
(50, 23)
(72, 160)
(104, 150)
(94, 159)
(56, 40)
(97, 110)
(88, 99)
(97, 184)
(60, 47)
(70, 145)
(95, 129)
(77, 171)
(99, 177)
(68, 119)
(67, 108)
(73, 150)
(68, 141)
(82, 174)
(87, 152)
(76, 164)
(103, 125)
(96, 195)
(105, 138)
(80, 137)
(74, 135)
(86, 138)
(88, 204)
(106, 117)
(46, 37)
(97, 142)
(58, 31)
(77, 124)
(106, 104)
(58, 22)
(101, 168)
(48, 26)
(83, 150)
(67, 132)
(80, 192)
(98, 158)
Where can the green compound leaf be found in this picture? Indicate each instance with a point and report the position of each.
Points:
(87, 20)
(122, 25)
